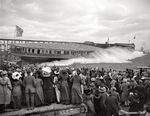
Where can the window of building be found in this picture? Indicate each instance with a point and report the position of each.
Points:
(42, 51)
(18, 49)
(32, 50)
(29, 50)
(66, 52)
(72, 52)
(47, 52)
(58, 52)
(38, 51)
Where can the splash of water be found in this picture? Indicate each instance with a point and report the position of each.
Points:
(110, 55)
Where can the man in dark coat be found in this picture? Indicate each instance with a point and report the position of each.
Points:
(141, 93)
(112, 105)
(29, 84)
(147, 89)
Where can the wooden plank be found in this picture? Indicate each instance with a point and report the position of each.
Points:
(60, 109)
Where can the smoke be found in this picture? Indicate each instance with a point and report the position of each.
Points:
(110, 55)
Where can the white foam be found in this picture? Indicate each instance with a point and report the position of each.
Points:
(109, 55)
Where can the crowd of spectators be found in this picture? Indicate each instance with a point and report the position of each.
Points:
(104, 91)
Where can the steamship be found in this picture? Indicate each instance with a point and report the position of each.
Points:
(43, 51)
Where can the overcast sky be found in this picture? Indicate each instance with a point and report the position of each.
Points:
(78, 20)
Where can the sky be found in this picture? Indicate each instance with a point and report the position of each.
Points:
(78, 20)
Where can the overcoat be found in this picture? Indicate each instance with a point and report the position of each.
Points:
(5, 90)
(29, 83)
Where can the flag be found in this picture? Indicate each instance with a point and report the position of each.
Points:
(134, 37)
(19, 31)
(108, 40)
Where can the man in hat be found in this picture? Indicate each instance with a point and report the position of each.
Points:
(97, 102)
(147, 90)
(112, 105)
(135, 104)
(103, 96)
(29, 84)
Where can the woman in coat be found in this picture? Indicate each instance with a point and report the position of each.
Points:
(17, 93)
(125, 92)
(48, 89)
(39, 97)
(76, 93)
(64, 89)
(88, 100)
(5, 90)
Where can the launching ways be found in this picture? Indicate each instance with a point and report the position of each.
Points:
(60, 110)
(52, 110)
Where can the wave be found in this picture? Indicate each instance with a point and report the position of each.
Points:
(109, 55)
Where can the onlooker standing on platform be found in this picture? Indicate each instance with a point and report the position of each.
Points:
(64, 89)
(76, 89)
(39, 97)
(29, 83)
(125, 92)
(147, 89)
(88, 100)
(112, 105)
(103, 96)
(5, 91)
(17, 93)
(141, 93)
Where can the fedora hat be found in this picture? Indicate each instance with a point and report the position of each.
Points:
(63, 72)
(102, 89)
(93, 79)
(88, 91)
(113, 88)
(124, 80)
(18, 70)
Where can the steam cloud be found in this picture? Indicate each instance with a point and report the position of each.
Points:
(110, 55)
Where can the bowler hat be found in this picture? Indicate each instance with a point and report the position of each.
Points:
(102, 89)
(63, 72)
